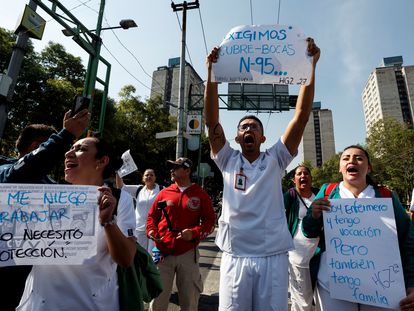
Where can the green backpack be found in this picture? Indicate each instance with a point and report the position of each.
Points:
(141, 281)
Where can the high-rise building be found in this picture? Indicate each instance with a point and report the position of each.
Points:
(318, 142)
(389, 92)
(166, 83)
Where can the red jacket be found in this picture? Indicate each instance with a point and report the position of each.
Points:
(191, 209)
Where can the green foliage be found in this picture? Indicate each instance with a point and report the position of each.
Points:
(61, 65)
(134, 127)
(44, 90)
(327, 173)
(390, 144)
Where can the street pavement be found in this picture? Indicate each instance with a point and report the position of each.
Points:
(210, 257)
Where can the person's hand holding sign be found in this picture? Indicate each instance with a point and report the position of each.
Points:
(107, 203)
(313, 50)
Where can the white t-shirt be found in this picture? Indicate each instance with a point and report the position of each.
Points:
(304, 247)
(92, 286)
(412, 202)
(253, 221)
(144, 202)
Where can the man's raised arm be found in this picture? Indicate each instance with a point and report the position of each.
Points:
(211, 112)
(296, 127)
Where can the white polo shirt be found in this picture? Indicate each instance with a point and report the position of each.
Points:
(88, 287)
(253, 221)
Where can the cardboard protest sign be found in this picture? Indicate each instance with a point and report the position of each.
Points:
(264, 54)
(128, 166)
(47, 224)
(362, 252)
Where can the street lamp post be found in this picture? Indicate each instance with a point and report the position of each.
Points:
(94, 58)
(124, 24)
(90, 41)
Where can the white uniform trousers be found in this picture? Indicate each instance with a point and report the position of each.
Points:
(301, 293)
(254, 283)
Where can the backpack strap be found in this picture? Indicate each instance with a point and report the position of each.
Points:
(385, 192)
(329, 189)
(117, 194)
(292, 193)
(138, 190)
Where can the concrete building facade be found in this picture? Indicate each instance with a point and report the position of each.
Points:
(318, 141)
(389, 92)
(166, 83)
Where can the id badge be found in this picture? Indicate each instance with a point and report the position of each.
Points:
(240, 182)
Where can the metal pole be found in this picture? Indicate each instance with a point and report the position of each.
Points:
(104, 98)
(181, 103)
(90, 79)
(16, 60)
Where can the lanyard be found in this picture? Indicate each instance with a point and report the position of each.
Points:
(300, 198)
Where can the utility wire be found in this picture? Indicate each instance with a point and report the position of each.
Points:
(135, 58)
(202, 29)
(251, 12)
(113, 56)
(186, 47)
(278, 12)
(52, 19)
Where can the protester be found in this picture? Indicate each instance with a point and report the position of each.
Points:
(181, 216)
(144, 197)
(40, 149)
(253, 233)
(355, 166)
(297, 201)
(93, 285)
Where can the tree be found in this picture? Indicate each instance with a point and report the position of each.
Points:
(328, 172)
(61, 65)
(390, 144)
(134, 127)
(46, 86)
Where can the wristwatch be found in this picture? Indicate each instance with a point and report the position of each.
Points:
(109, 223)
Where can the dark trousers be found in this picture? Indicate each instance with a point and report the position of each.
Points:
(12, 281)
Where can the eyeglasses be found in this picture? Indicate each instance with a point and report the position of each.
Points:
(246, 126)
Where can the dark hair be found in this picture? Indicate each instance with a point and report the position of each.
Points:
(304, 166)
(104, 149)
(251, 117)
(369, 179)
(32, 133)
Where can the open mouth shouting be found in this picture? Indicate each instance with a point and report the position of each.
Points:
(352, 170)
(69, 165)
(248, 139)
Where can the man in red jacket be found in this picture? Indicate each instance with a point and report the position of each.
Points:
(180, 217)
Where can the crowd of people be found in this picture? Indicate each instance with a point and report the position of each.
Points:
(272, 242)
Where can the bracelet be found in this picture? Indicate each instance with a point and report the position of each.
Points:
(109, 223)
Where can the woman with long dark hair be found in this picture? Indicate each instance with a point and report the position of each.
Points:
(93, 285)
(355, 167)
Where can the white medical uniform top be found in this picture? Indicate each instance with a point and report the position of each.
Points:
(144, 202)
(253, 221)
(89, 287)
(304, 247)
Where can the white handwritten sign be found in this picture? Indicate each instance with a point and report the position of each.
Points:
(264, 54)
(47, 224)
(128, 166)
(363, 256)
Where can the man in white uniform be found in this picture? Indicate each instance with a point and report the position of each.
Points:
(253, 233)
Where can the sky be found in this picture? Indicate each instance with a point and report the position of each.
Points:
(353, 35)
